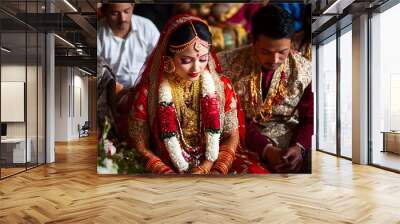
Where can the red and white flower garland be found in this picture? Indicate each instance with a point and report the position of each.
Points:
(210, 122)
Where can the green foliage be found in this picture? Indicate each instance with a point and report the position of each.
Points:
(166, 104)
(168, 135)
(212, 130)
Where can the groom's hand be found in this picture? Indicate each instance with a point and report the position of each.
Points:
(273, 156)
(293, 160)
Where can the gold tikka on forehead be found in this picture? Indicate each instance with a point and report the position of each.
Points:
(198, 43)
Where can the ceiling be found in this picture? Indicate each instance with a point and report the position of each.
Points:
(21, 21)
(331, 15)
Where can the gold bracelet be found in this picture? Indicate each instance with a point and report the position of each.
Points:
(202, 169)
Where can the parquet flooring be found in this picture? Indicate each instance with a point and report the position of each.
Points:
(9, 171)
(70, 191)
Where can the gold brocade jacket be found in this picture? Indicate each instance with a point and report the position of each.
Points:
(243, 69)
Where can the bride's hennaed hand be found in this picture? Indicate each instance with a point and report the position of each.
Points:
(203, 168)
(197, 170)
(206, 164)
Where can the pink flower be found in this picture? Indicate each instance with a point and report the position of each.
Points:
(109, 148)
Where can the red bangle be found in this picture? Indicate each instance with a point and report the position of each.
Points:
(151, 162)
(166, 169)
(157, 167)
(222, 168)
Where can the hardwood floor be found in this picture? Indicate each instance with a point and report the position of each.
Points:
(5, 172)
(10, 171)
(70, 191)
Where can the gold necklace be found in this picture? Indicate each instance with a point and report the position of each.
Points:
(277, 94)
(186, 96)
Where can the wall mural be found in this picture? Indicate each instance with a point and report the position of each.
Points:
(211, 89)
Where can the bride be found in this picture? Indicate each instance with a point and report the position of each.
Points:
(183, 116)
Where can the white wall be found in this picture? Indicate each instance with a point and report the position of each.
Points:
(81, 113)
(71, 94)
(34, 125)
(61, 103)
(13, 73)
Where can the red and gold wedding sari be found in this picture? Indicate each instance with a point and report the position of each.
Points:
(153, 123)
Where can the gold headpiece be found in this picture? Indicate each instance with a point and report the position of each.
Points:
(196, 40)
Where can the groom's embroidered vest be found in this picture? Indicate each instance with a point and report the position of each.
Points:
(242, 68)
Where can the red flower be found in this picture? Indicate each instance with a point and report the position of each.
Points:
(283, 75)
(210, 113)
(167, 120)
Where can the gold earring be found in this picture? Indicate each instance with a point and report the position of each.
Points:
(169, 66)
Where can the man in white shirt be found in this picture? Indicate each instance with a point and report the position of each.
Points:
(125, 41)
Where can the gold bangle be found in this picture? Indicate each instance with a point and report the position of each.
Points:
(201, 169)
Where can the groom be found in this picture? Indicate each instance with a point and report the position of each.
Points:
(274, 86)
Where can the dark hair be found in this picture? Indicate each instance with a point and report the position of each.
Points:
(272, 21)
(185, 33)
(105, 6)
(307, 23)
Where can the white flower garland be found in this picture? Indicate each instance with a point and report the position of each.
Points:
(212, 139)
(212, 145)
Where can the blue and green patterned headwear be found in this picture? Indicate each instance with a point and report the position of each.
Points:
(296, 10)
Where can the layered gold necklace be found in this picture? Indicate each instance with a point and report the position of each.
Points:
(275, 97)
(186, 98)
(204, 140)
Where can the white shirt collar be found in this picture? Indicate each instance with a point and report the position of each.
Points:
(134, 24)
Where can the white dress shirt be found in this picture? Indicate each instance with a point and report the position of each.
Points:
(126, 56)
